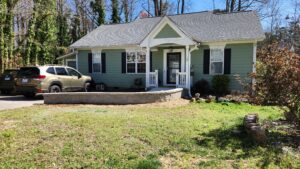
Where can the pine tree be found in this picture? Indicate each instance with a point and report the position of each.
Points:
(99, 10)
(115, 18)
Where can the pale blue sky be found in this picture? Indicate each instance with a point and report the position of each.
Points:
(286, 7)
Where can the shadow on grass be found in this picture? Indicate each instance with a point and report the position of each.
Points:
(234, 144)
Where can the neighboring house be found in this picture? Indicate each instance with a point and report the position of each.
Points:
(175, 50)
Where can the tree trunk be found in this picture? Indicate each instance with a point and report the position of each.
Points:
(178, 6)
(155, 2)
(126, 10)
(240, 5)
(115, 14)
(160, 7)
(182, 6)
(227, 5)
(232, 6)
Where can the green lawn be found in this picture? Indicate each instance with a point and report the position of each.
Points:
(195, 135)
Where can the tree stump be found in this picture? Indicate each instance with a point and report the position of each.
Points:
(257, 133)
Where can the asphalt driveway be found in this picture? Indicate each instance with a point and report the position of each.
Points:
(12, 102)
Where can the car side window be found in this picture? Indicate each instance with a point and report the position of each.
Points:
(61, 71)
(50, 70)
(72, 72)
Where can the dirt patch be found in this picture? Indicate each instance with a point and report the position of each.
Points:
(8, 124)
(178, 160)
(283, 134)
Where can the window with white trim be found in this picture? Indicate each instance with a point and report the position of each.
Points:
(96, 62)
(216, 61)
(135, 62)
(71, 63)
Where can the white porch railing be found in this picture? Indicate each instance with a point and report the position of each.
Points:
(153, 79)
(181, 79)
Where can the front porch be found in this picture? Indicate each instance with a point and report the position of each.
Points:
(168, 67)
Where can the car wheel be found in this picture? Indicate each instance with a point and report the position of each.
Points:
(55, 89)
(87, 87)
(29, 95)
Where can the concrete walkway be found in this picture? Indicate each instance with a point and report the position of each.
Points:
(12, 102)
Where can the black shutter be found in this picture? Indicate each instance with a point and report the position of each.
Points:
(151, 69)
(227, 61)
(90, 62)
(103, 62)
(206, 59)
(123, 62)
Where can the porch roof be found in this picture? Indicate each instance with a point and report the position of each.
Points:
(201, 27)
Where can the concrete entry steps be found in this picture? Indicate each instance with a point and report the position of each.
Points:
(120, 98)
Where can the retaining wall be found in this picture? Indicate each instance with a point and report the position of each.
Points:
(112, 97)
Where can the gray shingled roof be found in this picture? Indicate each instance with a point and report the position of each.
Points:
(201, 27)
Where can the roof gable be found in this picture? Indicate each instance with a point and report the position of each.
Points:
(167, 32)
(151, 41)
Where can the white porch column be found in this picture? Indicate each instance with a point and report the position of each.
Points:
(188, 66)
(147, 67)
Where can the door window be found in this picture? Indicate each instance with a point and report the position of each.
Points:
(50, 70)
(61, 71)
(73, 72)
(71, 63)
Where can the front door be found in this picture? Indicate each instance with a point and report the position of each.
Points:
(173, 64)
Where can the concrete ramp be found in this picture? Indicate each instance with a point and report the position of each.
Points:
(120, 98)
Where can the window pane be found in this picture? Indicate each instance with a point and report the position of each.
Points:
(216, 68)
(71, 64)
(141, 67)
(96, 67)
(72, 72)
(216, 55)
(61, 71)
(97, 58)
(130, 57)
(141, 57)
(130, 67)
(50, 70)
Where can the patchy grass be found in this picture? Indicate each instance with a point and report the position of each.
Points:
(195, 135)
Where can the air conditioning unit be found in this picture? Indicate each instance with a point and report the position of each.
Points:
(100, 87)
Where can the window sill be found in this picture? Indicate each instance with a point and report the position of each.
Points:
(216, 74)
(134, 73)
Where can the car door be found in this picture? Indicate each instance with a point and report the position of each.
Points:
(76, 82)
(64, 78)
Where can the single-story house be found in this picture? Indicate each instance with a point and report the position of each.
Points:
(171, 51)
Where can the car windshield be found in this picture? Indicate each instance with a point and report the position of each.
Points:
(29, 72)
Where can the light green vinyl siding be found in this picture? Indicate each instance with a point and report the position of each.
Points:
(167, 32)
(158, 64)
(241, 64)
(113, 76)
